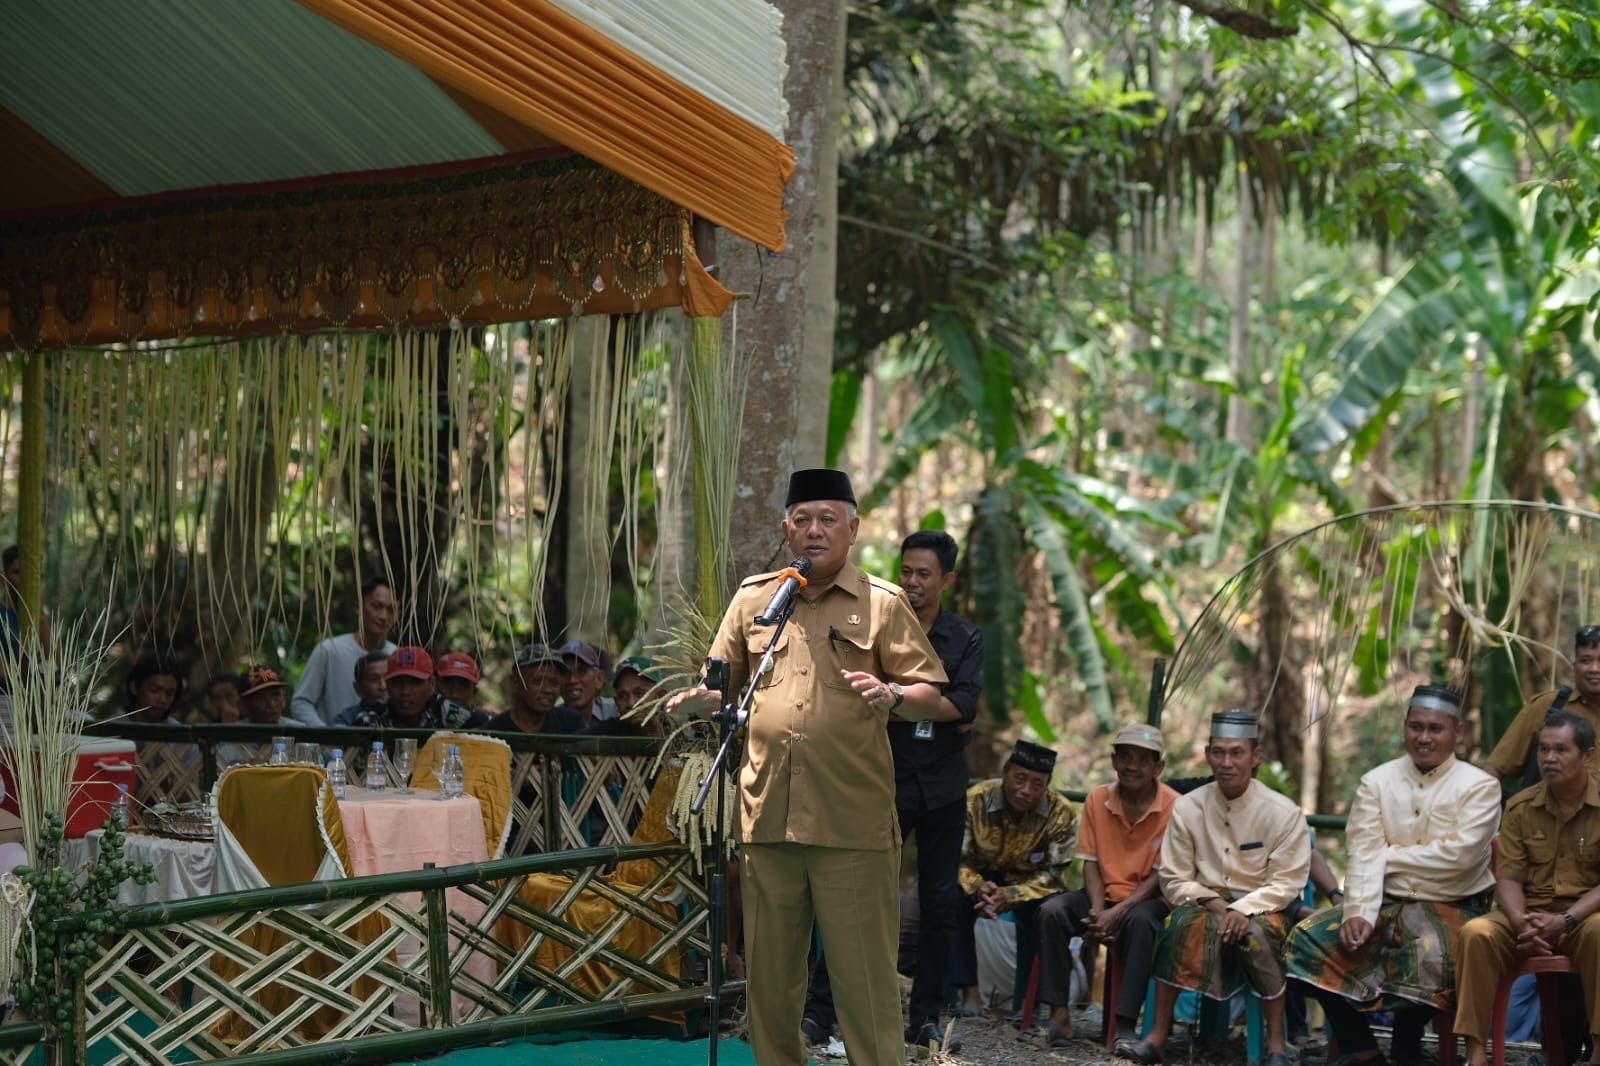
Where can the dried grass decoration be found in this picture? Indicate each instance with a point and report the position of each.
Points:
(41, 723)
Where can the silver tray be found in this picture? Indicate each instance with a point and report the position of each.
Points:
(181, 823)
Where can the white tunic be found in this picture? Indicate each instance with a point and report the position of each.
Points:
(1420, 836)
(1254, 851)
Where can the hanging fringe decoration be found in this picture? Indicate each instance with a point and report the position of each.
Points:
(245, 488)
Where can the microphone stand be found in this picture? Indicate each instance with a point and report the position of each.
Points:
(731, 719)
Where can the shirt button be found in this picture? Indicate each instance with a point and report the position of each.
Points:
(805, 670)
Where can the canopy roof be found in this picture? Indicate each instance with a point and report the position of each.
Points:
(115, 112)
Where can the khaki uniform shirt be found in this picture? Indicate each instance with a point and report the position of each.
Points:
(817, 766)
(1556, 862)
(1510, 757)
(1415, 835)
(1254, 851)
(1026, 854)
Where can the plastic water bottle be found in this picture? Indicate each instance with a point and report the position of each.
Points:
(377, 772)
(121, 811)
(455, 774)
(280, 755)
(338, 777)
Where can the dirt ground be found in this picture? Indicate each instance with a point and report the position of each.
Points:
(995, 1038)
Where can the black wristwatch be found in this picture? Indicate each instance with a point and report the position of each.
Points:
(899, 695)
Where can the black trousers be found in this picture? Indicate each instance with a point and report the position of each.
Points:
(1063, 918)
(939, 833)
(1353, 1032)
(964, 965)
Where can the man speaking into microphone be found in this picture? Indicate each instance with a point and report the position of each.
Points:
(816, 816)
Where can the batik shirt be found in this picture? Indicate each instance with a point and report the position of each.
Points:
(439, 713)
(1026, 854)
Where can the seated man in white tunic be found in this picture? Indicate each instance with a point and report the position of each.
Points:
(1235, 856)
(1418, 835)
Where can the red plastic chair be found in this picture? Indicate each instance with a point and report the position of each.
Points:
(1548, 969)
(1110, 985)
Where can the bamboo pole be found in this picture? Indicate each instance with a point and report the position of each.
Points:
(30, 496)
(438, 956)
(283, 897)
(392, 1047)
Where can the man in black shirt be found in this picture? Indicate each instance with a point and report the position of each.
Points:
(930, 771)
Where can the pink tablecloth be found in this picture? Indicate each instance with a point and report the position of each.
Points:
(388, 832)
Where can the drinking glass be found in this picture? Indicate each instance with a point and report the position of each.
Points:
(440, 754)
(308, 754)
(287, 742)
(405, 757)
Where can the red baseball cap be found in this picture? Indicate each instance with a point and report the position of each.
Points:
(458, 664)
(410, 661)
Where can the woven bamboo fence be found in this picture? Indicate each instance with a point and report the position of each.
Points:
(366, 969)
(398, 965)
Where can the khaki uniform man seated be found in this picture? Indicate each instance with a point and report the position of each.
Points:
(1236, 855)
(1548, 887)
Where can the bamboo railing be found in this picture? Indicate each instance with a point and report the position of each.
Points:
(369, 969)
(381, 967)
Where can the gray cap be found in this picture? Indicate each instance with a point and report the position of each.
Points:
(537, 654)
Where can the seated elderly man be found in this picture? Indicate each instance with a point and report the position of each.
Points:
(1019, 839)
(1120, 904)
(1235, 856)
(1419, 834)
(1548, 883)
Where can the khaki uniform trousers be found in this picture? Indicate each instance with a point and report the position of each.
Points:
(854, 896)
(1489, 951)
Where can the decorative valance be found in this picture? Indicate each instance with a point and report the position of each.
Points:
(530, 238)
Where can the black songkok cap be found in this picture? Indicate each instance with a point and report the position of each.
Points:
(1235, 724)
(1436, 698)
(821, 483)
(1031, 756)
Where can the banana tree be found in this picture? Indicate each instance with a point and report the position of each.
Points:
(1035, 513)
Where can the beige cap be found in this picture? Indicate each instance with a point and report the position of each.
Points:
(1147, 737)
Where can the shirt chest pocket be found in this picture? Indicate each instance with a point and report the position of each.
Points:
(1251, 858)
(779, 665)
(845, 653)
(1541, 851)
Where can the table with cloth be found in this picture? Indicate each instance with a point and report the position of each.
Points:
(183, 869)
(392, 832)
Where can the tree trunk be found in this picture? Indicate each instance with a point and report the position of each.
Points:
(1239, 361)
(787, 324)
(588, 481)
(1280, 685)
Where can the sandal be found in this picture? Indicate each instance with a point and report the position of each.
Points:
(1141, 1051)
(1056, 1037)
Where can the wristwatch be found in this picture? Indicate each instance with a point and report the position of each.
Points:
(899, 695)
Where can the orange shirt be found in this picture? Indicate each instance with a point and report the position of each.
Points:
(1126, 853)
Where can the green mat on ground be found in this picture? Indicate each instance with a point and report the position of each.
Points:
(595, 1049)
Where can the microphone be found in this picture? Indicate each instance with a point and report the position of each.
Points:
(794, 579)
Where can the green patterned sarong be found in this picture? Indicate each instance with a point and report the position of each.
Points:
(1410, 957)
(1190, 954)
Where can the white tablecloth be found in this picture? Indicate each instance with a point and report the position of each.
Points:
(183, 868)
